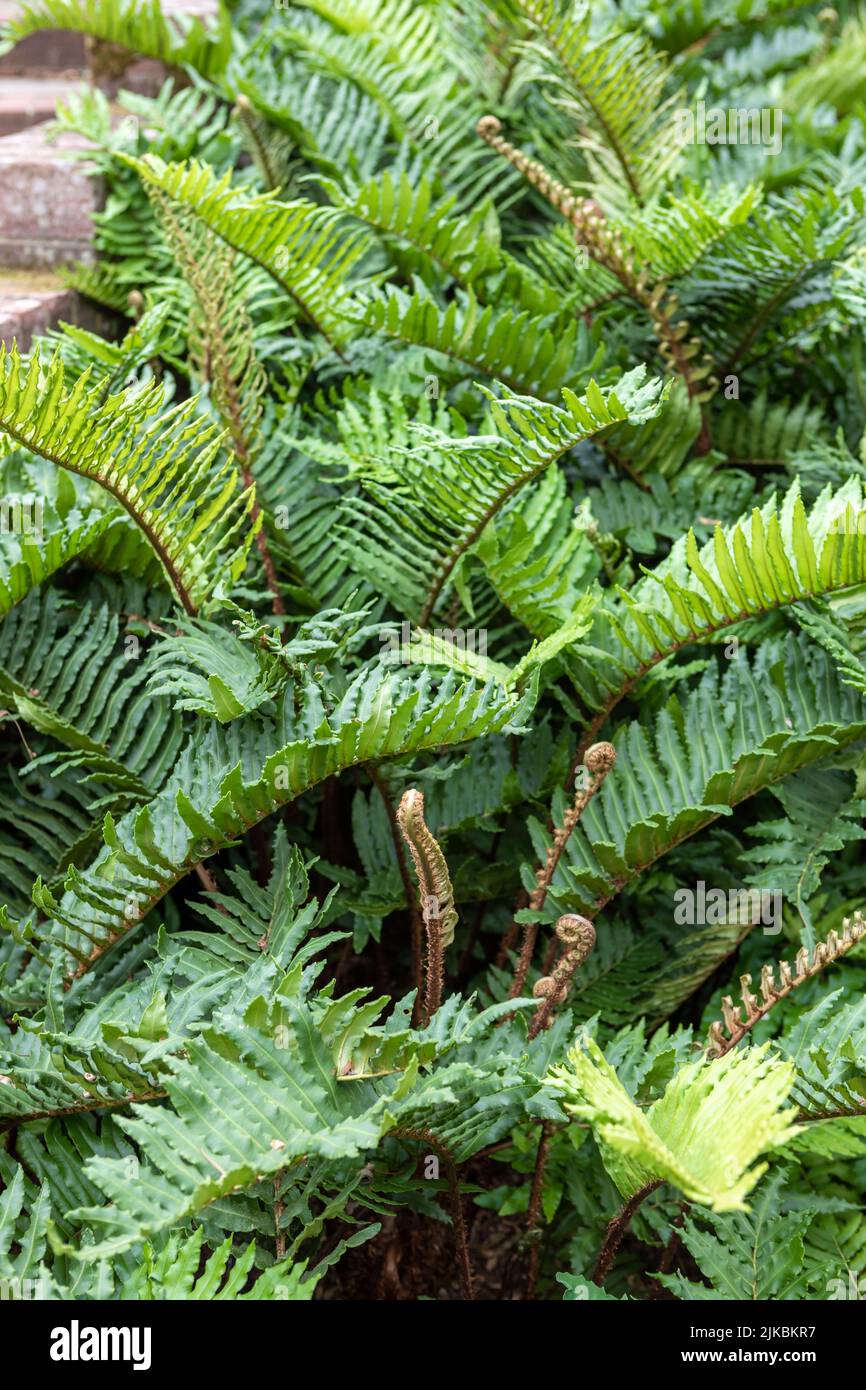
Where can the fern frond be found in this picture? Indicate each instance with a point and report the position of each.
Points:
(80, 684)
(521, 351)
(410, 536)
(137, 25)
(465, 248)
(613, 86)
(704, 1133)
(222, 348)
(203, 808)
(303, 246)
(781, 555)
(49, 521)
(728, 739)
(160, 464)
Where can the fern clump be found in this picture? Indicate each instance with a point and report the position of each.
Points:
(454, 568)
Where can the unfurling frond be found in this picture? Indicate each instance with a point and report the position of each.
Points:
(703, 1134)
(724, 1036)
(434, 890)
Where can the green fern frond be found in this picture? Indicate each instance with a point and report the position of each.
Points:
(613, 86)
(302, 245)
(162, 465)
(137, 25)
(703, 1134)
(410, 535)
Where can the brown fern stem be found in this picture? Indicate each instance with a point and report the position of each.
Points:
(533, 1212)
(227, 395)
(806, 965)
(435, 967)
(599, 761)
(243, 111)
(464, 1264)
(617, 1229)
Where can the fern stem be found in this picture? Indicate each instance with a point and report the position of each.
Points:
(606, 246)
(279, 1208)
(617, 1229)
(464, 1264)
(243, 112)
(209, 883)
(97, 1103)
(533, 1211)
(225, 376)
(599, 760)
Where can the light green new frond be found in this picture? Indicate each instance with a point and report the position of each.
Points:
(398, 26)
(162, 465)
(704, 1133)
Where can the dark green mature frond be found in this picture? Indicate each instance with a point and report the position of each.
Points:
(82, 681)
(612, 84)
(780, 556)
(522, 351)
(49, 521)
(727, 740)
(204, 806)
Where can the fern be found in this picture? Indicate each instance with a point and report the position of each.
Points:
(696, 1110)
(140, 28)
(433, 665)
(171, 482)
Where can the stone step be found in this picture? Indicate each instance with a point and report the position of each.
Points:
(49, 51)
(47, 200)
(32, 302)
(25, 101)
